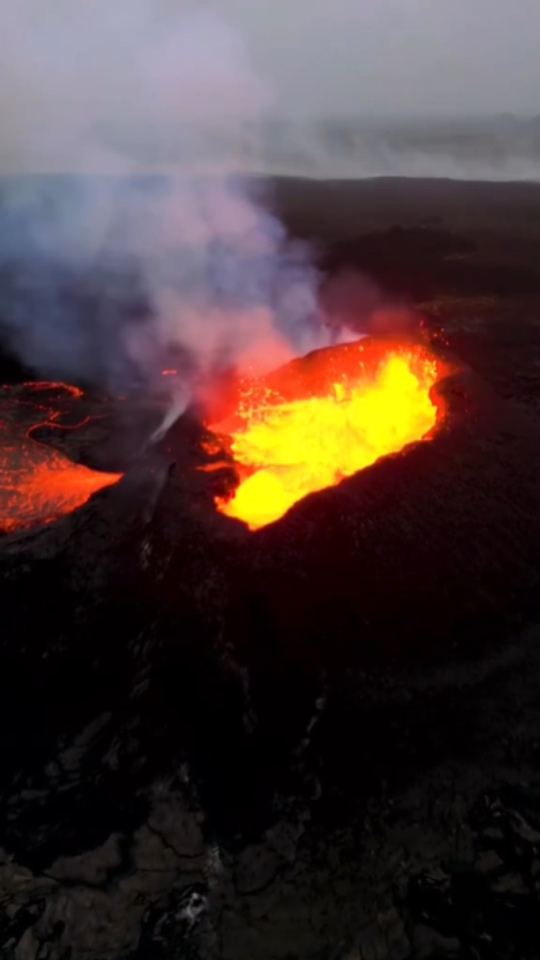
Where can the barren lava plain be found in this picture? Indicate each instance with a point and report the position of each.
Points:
(319, 739)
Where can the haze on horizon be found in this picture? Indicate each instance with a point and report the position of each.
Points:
(70, 71)
(397, 58)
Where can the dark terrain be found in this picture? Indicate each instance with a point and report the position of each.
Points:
(322, 741)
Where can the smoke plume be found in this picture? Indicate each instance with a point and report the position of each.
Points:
(111, 276)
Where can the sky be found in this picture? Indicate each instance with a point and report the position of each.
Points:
(395, 57)
(76, 76)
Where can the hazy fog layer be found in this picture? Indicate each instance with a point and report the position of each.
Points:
(114, 280)
(99, 84)
(396, 57)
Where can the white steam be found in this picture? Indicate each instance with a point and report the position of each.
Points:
(113, 276)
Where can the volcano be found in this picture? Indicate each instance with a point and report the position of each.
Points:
(157, 602)
(318, 735)
(301, 429)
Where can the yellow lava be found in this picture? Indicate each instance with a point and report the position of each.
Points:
(286, 450)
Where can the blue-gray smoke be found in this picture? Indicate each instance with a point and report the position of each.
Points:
(108, 274)
(110, 280)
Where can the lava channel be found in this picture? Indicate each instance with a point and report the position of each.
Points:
(321, 419)
(39, 484)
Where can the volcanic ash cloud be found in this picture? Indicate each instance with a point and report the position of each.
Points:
(151, 251)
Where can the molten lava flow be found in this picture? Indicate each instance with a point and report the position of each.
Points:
(322, 419)
(39, 484)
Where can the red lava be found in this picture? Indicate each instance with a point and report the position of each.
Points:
(321, 419)
(39, 484)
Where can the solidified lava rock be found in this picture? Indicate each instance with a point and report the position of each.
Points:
(422, 262)
(486, 906)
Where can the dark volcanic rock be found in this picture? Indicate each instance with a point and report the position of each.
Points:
(419, 263)
(158, 604)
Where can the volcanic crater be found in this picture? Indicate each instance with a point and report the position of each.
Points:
(368, 567)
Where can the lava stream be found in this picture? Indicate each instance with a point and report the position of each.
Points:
(38, 483)
(320, 420)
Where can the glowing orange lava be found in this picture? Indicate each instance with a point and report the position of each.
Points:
(39, 484)
(321, 419)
